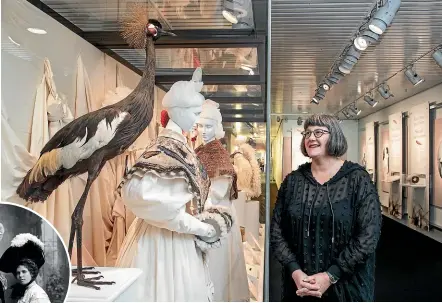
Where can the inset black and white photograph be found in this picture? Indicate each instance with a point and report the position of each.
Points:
(34, 263)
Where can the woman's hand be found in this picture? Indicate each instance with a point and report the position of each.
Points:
(309, 287)
(321, 281)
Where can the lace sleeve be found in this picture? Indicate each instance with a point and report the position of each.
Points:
(278, 243)
(368, 230)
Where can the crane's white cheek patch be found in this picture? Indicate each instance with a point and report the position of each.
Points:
(80, 149)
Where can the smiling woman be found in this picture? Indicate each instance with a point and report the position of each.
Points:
(326, 222)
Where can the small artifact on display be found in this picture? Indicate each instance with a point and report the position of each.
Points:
(88, 142)
(226, 264)
(168, 190)
(248, 171)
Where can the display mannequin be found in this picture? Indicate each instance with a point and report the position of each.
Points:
(170, 235)
(226, 264)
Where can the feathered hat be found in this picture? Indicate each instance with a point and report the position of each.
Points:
(211, 111)
(23, 246)
(186, 93)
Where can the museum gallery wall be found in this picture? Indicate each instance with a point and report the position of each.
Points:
(50, 80)
(415, 178)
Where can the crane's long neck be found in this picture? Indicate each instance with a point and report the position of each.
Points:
(148, 78)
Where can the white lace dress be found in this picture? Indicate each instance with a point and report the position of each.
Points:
(34, 294)
(161, 241)
(227, 264)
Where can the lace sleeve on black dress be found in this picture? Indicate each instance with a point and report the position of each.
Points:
(278, 243)
(368, 229)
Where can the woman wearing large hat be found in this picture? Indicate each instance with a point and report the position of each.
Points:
(23, 259)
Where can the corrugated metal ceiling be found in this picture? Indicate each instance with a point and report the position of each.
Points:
(93, 15)
(307, 36)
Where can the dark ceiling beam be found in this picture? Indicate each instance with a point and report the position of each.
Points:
(244, 119)
(184, 39)
(210, 79)
(243, 112)
(235, 100)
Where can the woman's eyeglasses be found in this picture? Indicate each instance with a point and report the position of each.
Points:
(317, 132)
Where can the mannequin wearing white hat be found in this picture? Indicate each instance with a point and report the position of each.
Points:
(226, 264)
(167, 190)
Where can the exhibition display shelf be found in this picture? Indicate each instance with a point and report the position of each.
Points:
(414, 180)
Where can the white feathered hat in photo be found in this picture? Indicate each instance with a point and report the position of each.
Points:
(211, 111)
(23, 246)
(186, 93)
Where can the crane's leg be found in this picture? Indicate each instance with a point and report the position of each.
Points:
(77, 225)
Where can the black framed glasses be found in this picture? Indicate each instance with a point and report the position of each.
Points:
(317, 133)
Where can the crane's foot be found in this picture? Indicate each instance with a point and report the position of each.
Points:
(86, 270)
(91, 282)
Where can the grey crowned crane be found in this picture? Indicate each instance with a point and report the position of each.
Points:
(88, 142)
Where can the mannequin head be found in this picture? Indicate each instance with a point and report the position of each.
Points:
(207, 129)
(184, 117)
(210, 122)
(183, 101)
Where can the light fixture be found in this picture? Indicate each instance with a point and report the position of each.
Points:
(315, 100)
(370, 101)
(437, 56)
(360, 43)
(37, 31)
(327, 84)
(384, 16)
(299, 122)
(413, 77)
(353, 55)
(232, 11)
(354, 109)
(370, 37)
(384, 91)
(346, 114)
(346, 67)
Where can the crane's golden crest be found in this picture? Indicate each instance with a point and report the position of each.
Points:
(134, 23)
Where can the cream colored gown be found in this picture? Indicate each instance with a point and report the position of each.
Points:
(227, 264)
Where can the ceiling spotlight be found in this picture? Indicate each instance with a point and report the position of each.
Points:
(370, 37)
(346, 114)
(384, 91)
(384, 16)
(232, 11)
(327, 84)
(346, 67)
(315, 100)
(437, 56)
(37, 31)
(370, 101)
(360, 43)
(336, 77)
(413, 77)
(354, 109)
(352, 55)
(299, 121)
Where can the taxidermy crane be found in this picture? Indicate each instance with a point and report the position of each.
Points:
(88, 142)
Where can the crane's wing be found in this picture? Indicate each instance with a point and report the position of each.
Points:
(85, 127)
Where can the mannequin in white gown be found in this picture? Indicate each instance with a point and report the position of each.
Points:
(167, 189)
(226, 264)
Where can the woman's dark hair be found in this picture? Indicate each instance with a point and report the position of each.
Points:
(337, 143)
(18, 290)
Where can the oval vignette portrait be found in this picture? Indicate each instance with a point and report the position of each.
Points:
(34, 262)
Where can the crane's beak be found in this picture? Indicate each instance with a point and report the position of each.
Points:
(165, 33)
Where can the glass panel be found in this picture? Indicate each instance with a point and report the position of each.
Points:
(104, 15)
(214, 61)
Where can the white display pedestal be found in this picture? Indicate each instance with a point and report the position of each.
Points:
(240, 207)
(252, 222)
(121, 291)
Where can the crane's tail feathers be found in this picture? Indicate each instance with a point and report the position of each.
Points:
(41, 180)
(47, 165)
